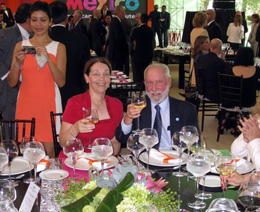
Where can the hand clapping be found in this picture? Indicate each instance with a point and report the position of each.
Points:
(250, 128)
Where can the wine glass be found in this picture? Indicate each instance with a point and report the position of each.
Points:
(6, 204)
(101, 149)
(3, 159)
(139, 102)
(225, 165)
(34, 152)
(190, 136)
(179, 146)
(198, 165)
(12, 151)
(73, 151)
(92, 115)
(135, 146)
(7, 188)
(148, 137)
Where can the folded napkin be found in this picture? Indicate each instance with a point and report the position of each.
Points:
(163, 157)
(121, 80)
(85, 163)
(117, 73)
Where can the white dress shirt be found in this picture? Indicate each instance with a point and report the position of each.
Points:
(25, 34)
(165, 115)
(235, 33)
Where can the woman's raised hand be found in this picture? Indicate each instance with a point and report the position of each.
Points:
(84, 126)
(20, 56)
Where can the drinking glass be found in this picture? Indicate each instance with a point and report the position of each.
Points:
(6, 204)
(73, 151)
(3, 159)
(101, 149)
(148, 137)
(225, 165)
(179, 146)
(190, 136)
(198, 165)
(92, 114)
(25, 140)
(222, 204)
(135, 146)
(12, 151)
(7, 188)
(34, 152)
(139, 102)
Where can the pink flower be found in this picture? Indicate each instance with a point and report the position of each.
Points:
(155, 186)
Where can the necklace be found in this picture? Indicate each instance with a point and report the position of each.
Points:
(98, 106)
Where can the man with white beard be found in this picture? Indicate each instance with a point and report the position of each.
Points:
(162, 112)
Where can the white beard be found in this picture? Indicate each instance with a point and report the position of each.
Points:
(158, 99)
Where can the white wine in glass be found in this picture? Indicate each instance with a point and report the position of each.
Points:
(139, 102)
(92, 115)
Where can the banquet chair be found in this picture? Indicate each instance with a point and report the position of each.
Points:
(10, 129)
(55, 117)
(204, 105)
(124, 91)
(231, 110)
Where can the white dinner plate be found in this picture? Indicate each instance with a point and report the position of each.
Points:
(154, 162)
(84, 165)
(54, 174)
(211, 181)
(121, 80)
(123, 76)
(243, 167)
(18, 166)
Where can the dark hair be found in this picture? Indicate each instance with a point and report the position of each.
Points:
(23, 13)
(245, 57)
(2, 3)
(164, 6)
(41, 6)
(70, 17)
(256, 16)
(197, 45)
(144, 18)
(95, 60)
(59, 11)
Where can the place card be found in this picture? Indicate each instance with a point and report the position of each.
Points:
(29, 198)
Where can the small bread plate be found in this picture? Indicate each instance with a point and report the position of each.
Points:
(54, 174)
(87, 161)
(155, 162)
(212, 183)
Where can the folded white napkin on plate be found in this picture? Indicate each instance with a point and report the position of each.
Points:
(163, 157)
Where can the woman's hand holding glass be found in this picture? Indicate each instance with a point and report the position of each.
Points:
(92, 117)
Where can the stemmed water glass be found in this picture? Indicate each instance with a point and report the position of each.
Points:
(7, 188)
(179, 146)
(34, 152)
(6, 204)
(135, 146)
(92, 116)
(225, 165)
(73, 151)
(3, 159)
(101, 149)
(139, 102)
(12, 151)
(148, 137)
(198, 165)
(190, 136)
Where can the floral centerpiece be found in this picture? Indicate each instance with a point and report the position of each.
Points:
(119, 190)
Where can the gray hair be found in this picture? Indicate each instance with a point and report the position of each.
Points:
(79, 12)
(216, 43)
(160, 66)
(119, 9)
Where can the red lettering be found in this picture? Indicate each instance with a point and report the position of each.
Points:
(74, 4)
(88, 4)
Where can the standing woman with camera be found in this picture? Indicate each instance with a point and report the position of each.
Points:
(41, 74)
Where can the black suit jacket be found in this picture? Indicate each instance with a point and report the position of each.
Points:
(167, 19)
(117, 44)
(107, 13)
(81, 28)
(155, 18)
(97, 34)
(9, 20)
(257, 38)
(214, 31)
(144, 37)
(182, 114)
(78, 52)
(211, 65)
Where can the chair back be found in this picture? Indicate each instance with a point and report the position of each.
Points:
(16, 129)
(231, 88)
(56, 117)
(199, 72)
(124, 91)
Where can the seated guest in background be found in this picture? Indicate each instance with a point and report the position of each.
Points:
(244, 66)
(212, 64)
(201, 47)
(252, 35)
(77, 49)
(110, 111)
(173, 113)
(212, 27)
(235, 32)
(39, 91)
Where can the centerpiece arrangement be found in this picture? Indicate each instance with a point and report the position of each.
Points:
(122, 190)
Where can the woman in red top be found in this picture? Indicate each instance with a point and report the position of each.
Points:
(110, 110)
